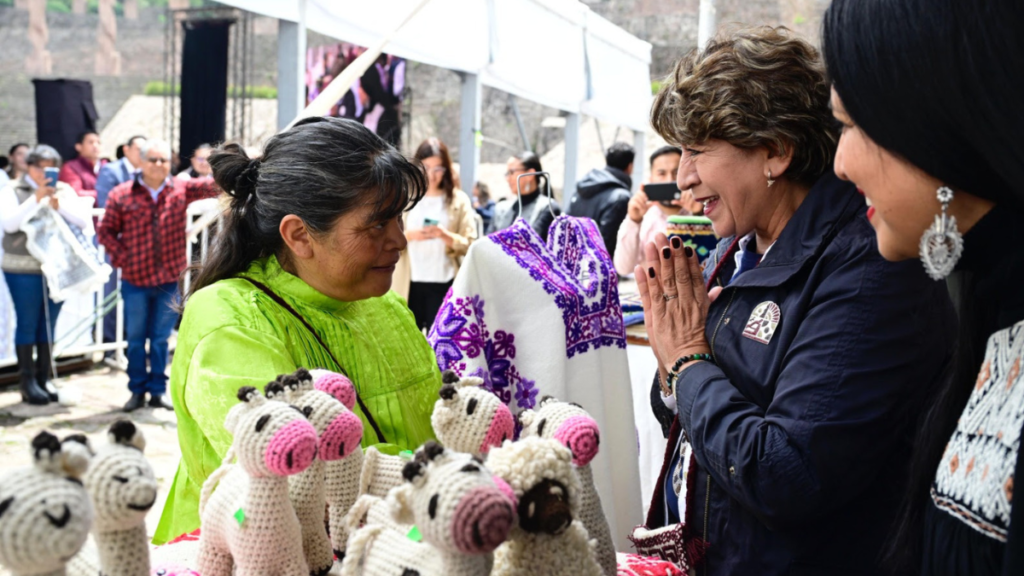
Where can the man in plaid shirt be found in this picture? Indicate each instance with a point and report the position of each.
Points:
(143, 230)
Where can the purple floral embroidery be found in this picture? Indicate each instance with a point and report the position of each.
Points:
(526, 394)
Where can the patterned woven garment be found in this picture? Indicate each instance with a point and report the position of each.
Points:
(974, 482)
(534, 319)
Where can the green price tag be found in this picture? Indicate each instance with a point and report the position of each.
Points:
(406, 454)
(414, 534)
(240, 516)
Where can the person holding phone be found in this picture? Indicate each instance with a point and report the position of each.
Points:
(36, 314)
(440, 229)
(648, 210)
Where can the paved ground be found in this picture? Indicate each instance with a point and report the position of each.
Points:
(104, 392)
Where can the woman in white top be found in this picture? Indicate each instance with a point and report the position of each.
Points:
(36, 314)
(440, 229)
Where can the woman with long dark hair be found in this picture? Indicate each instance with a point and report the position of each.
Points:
(440, 229)
(929, 95)
(300, 277)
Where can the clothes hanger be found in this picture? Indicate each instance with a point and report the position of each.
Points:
(547, 187)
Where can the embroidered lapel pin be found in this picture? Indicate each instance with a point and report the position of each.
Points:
(763, 322)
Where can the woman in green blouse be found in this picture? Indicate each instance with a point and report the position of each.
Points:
(300, 277)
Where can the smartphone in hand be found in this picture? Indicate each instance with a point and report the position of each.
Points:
(51, 176)
(662, 192)
(428, 222)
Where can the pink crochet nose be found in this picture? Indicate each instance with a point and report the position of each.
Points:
(342, 437)
(339, 386)
(482, 520)
(502, 427)
(292, 449)
(580, 434)
(506, 490)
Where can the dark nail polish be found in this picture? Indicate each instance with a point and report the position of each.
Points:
(676, 242)
(666, 253)
(689, 252)
(650, 272)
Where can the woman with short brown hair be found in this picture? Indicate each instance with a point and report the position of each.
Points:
(794, 382)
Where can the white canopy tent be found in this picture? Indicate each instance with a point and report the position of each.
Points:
(554, 52)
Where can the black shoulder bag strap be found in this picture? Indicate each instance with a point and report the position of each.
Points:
(280, 301)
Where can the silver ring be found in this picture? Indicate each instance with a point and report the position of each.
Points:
(667, 297)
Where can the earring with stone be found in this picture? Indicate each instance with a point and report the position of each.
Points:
(942, 244)
(770, 180)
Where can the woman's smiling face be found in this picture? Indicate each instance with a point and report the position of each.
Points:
(901, 197)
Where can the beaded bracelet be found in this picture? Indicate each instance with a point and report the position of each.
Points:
(673, 374)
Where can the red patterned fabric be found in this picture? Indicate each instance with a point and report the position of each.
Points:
(146, 239)
(633, 565)
(80, 174)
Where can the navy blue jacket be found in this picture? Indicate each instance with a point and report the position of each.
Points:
(802, 442)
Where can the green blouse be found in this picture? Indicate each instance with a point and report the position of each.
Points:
(234, 335)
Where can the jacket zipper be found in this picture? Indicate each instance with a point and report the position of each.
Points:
(714, 335)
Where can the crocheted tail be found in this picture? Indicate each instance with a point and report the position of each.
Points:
(211, 483)
(356, 549)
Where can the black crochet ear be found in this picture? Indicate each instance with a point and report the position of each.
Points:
(432, 449)
(447, 392)
(123, 431)
(302, 375)
(80, 438)
(273, 389)
(290, 381)
(546, 400)
(4, 505)
(245, 393)
(45, 441)
(413, 469)
(449, 377)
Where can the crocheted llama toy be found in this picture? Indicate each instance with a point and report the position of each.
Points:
(249, 525)
(468, 418)
(45, 512)
(547, 541)
(458, 510)
(575, 429)
(327, 404)
(123, 490)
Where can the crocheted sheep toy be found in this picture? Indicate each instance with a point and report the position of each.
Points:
(575, 429)
(249, 523)
(122, 486)
(327, 404)
(547, 541)
(458, 510)
(468, 418)
(45, 512)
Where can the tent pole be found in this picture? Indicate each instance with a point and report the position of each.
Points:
(707, 23)
(640, 160)
(572, 157)
(470, 136)
(291, 68)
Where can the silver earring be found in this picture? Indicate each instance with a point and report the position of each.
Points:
(770, 181)
(942, 244)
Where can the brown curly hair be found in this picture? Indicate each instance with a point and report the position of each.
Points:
(755, 87)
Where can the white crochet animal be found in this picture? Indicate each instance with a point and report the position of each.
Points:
(468, 418)
(333, 478)
(45, 512)
(123, 489)
(249, 524)
(548, 540)
(575, 429)
(458, 509)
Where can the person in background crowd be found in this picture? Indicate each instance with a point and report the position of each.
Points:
(931, 125)
(482, 203)
(645, 219)
(151, 261)
(80, 172)
(5, 163)
(439, 229)
(799, 411)
(384, 83)
(200, 163)
(301, 275)
(120, 171)
(603, 194)
(537, 209)
(35, 313)
(18, 166)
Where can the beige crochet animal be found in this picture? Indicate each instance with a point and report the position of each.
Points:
(468, 418)
(333, 478)
(45, 512)
(459, 511)
(249, 525)
(122, 486)
(547, 541)
(575, 429)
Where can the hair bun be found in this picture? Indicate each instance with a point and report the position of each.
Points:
(245, 184)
